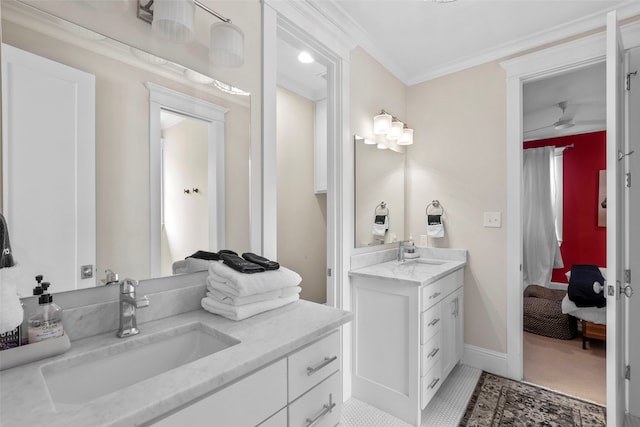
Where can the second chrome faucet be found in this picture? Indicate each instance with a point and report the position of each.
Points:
(128, 304)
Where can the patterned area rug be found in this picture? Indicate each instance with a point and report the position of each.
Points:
(498, 402)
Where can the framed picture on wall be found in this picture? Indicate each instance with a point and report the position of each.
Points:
(602, 198)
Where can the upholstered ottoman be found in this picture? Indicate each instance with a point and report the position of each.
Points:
(542, 313)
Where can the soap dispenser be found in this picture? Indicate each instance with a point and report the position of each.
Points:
(46, 321)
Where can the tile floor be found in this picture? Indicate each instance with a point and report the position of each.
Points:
(445, 409)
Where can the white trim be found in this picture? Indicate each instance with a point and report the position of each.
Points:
(163, 98)
(333, 12)
(544, 63)
(487, 360)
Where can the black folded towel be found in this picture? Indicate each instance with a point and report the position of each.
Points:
(211, 256)
(257, 259)
(240, 264)
(580, 289)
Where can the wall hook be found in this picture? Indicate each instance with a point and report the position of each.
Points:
(187, 191)
(621, 155)
(195, 190)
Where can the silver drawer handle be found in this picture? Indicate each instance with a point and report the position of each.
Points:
(325, 362)
(433, 322)
(433, 383)
(434, 352)
(325, 410)
(435, 295)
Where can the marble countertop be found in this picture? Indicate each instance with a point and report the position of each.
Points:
(426, 269)
(25, 401)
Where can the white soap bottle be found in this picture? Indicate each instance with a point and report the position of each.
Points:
(46, 321)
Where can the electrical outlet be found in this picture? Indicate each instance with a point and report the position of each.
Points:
(492, 219)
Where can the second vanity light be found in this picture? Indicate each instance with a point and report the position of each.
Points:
(392, 128)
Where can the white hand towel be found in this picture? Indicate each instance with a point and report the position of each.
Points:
(220, 292)
(242, 284)
(190, 265)
(244, 311)
(11, 312)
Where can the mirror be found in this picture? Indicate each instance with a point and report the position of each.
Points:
(379, 178)
(122, 137)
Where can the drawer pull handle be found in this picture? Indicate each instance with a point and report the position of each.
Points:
(435, 295)
(434, 321)
(325, 410)
(434, 352)
(433, 383)
(325, 362)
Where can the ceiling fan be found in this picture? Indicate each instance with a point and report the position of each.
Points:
(567, 119)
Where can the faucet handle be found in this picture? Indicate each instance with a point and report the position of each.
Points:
(128, 286)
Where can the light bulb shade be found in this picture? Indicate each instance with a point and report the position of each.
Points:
(174, 19)
(407, 137)
(226, 46)
(396, 130)
(382, 124)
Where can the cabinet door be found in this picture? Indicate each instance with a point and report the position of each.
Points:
(448, 333)
(319, 407)
(247, 402)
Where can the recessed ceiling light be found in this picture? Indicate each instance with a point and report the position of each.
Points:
(305, 57)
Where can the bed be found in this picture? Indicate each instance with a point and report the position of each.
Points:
(594, 319)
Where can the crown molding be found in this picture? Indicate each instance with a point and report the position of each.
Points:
(334, 13)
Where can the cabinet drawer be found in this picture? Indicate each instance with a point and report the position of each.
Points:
(431, 323)
(431, 352)
(320, 406)
(434, 292)
(313, 363)
(431, 383)
(263, 394)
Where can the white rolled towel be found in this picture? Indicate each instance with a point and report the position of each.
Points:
(242, 312)
(222, 293)
(242, 284)
(11, 312)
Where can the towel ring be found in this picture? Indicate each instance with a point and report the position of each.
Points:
(434, 208)
(381, 209)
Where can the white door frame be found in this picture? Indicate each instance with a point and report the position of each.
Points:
(566, 57)
(171, 100)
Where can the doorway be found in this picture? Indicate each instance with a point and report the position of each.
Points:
(564, 142)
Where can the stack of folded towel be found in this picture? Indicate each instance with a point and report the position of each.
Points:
(241, 287)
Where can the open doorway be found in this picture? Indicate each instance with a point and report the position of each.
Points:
(564, 165)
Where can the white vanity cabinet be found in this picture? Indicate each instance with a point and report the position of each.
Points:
(300, 390)
(407, 339)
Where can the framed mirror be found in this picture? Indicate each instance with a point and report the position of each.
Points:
(379, 193)
(126, 176)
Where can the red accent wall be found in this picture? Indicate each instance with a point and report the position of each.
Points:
(583, 242)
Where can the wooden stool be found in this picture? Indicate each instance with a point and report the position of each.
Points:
(593, 331)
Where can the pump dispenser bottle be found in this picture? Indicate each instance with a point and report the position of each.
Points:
(46, 320)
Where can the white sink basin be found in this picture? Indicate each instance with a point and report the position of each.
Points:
(78, 380)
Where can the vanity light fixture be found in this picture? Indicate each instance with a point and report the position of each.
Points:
(175, 21)
(393, 128)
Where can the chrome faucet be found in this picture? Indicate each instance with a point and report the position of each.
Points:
(403, 245)
(128, 305)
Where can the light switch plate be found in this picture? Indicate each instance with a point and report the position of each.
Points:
(493, 219)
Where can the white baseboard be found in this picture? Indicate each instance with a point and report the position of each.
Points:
(487, 360)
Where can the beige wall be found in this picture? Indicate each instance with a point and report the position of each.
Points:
(459, 158)
(122, 154)
(302, 214)
(186, 215)
(374, 88)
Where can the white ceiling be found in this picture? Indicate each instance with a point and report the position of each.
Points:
(418, 40)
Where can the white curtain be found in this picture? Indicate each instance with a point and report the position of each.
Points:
(541, 251)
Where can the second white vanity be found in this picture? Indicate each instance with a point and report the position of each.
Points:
(408, 329)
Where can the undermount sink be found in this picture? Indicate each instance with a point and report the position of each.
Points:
(94, 374)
